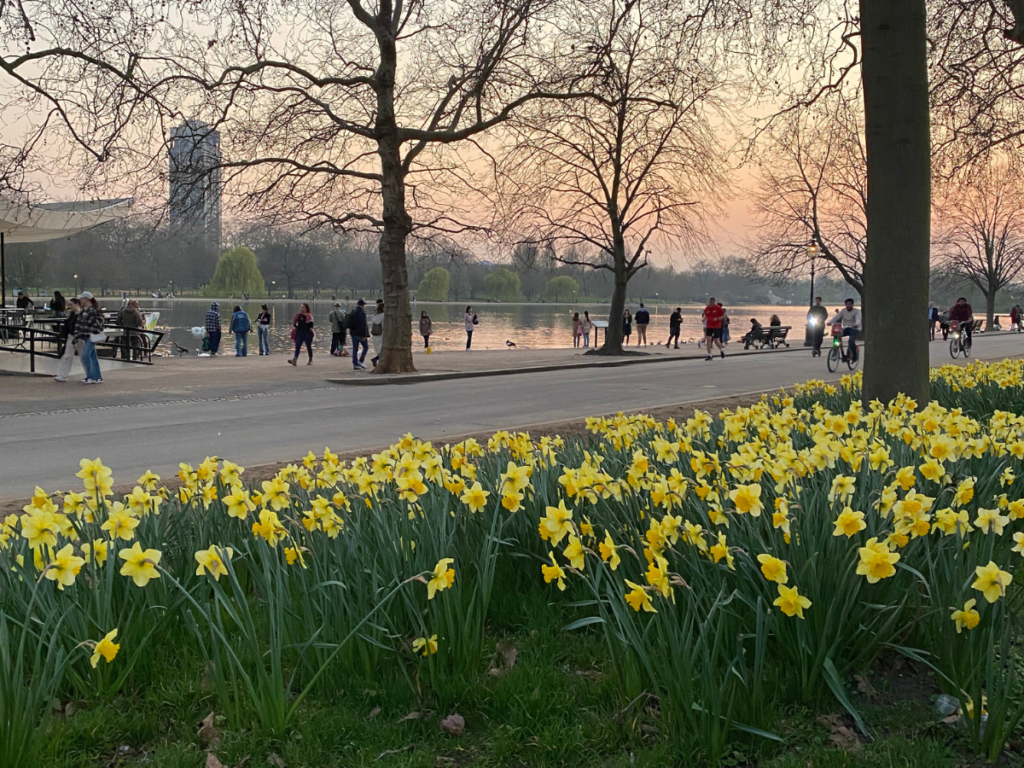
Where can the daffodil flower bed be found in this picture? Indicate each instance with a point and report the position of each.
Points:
(732, 562)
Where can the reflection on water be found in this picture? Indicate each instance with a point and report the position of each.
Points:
(528, 326)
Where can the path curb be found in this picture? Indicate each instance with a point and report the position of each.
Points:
(422, 378)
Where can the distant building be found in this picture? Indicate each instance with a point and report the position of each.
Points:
(195, 190)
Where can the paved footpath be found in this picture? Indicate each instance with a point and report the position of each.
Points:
(257, 411)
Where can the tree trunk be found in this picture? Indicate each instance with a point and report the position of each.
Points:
(396, 357)
(896, 122)
(990, 307)
(613, 334)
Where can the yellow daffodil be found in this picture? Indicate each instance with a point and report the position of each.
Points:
(106, 649)
(475, 498)
(609, 551)
(441, 578)
(64, 567)
(876, 561)
(773, 569)
(747, 499)
(574, 552)
(991, 581)
(967, 617)
(139, 564)
(269, 528)
(848, 523)
(553, 572)
(212, 561)
(791, 602)
(638, 599)
(426, 646)
(990, 518)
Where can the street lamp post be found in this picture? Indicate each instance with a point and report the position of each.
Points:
(812, 253)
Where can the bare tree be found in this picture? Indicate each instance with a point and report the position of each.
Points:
(812, 191)
(365, 120)
(981, 234)
(602, 180)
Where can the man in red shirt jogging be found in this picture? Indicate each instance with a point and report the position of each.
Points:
(712, 315)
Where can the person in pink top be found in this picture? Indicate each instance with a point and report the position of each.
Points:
(712, 315)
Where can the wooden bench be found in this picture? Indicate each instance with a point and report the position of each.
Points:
(771, 337)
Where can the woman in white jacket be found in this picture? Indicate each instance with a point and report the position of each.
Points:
(470, 322)
(377, 331)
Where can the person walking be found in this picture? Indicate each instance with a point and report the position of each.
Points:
(425, 328)
(627, 327)
(933, 320)
(377, 331)
(816, 317)
(587, 328)
(89, 330)
(302, 332)
(338, 319)
(67, 333)
(358, 331)
(675, 324)
(471, 320)
(577, 329)
(726, 320)
(57, 304)
(213, 327)
(712, 315)
(263, 321)
(1014, 318)
(642, 319)
(240, 326)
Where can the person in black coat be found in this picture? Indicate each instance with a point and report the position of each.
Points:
(358, 330)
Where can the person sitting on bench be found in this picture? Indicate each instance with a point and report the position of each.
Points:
(755, 334)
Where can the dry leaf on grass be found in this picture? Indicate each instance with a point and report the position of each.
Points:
(412, 716)
(844, 737)
(373, 713)
(504, 658)
(212, 761)
(864, 686)
(275, 759)
(454, 724)
(209, 736)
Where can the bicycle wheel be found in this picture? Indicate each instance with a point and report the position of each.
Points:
(954, 347)
(967, 348)
(833, 359)
(852, 362)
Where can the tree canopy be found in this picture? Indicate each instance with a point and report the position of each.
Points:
(237, 274)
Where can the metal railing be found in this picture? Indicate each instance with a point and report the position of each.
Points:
(136, 346)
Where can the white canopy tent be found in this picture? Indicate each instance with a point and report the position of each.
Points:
(27, 223)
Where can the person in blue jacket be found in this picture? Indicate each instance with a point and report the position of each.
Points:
(240, 326)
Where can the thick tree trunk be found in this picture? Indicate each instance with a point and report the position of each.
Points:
(613, 334)
(990, 308)
(396, 357)
(896, 121)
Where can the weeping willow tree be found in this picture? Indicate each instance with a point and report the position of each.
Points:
(237, 274)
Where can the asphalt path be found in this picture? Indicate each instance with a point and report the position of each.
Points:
(44, 447)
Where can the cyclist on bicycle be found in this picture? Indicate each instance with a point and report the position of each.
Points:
(849, 317)
(964, 315)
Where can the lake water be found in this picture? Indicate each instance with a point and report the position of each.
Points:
(529, 326)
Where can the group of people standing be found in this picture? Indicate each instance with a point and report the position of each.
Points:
(714, 320)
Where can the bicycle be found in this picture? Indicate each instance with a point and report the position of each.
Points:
(959, 341)
(841, 350)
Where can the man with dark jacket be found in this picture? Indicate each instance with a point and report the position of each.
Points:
(357, 328)
(816, 317)
(642, 318)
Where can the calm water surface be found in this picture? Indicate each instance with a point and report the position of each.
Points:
(529, 326)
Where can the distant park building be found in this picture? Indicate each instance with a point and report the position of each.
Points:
(195, 191)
